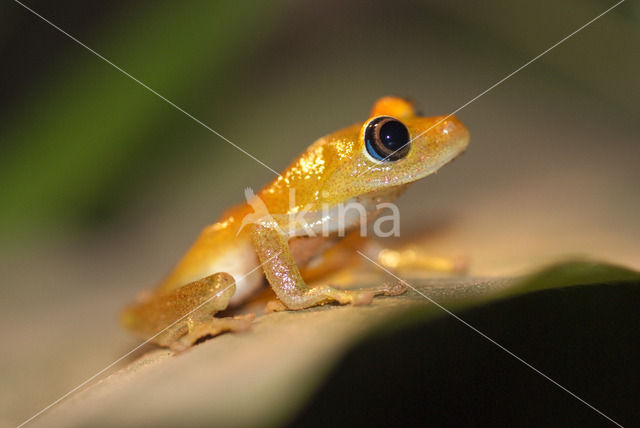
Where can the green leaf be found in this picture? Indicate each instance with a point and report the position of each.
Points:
(73, 137)
(268, 374)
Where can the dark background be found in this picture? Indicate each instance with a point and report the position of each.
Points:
(441, 373)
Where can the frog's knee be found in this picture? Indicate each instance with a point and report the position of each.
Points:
(210, 294)
(221, 283)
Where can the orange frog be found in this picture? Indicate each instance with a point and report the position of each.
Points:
(267, 237)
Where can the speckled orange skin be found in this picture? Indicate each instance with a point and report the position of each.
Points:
(159, 313)
(333, 170)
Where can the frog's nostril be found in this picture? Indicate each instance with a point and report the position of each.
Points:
(455, 130)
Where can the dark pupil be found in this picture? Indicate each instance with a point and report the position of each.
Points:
(394, 135)
(387, 139)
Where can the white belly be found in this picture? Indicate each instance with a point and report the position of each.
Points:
(241, 263)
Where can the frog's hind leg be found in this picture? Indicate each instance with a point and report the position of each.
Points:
(415, 259)
(178, 318)
(203, 328)
(339, 257)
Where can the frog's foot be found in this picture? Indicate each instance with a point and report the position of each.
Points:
(394, 288)
(204, 328)
(387, 289)
(321, 294)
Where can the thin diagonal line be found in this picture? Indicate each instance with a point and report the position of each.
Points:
(172, 104)
(499, 82)
(489, 339)
(142, 344)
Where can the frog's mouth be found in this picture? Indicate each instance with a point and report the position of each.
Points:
(455, 151)
(432, 153)
(387, 194)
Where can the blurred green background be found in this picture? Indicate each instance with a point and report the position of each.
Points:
(104, 185)
(81, 141)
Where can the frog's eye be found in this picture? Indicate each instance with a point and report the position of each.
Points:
(386, 139)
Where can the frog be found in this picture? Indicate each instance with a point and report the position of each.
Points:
(294, 223)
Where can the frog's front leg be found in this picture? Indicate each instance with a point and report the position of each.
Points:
(178, 318)
(271, 244)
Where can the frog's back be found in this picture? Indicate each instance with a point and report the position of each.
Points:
(225, 246)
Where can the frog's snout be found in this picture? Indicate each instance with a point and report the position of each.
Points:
(455, 133)
(439, 140)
